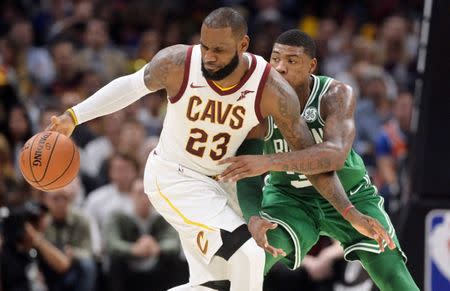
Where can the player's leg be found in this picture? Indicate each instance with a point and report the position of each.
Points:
(387, 270)
(218, 247)
(280, 239)
(296, 232)
(246, 267)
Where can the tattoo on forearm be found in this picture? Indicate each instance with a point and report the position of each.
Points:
(331, 189)
(305, 166)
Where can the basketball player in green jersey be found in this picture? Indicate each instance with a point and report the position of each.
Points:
(290, 201)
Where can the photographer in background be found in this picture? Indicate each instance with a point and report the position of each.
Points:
(142, 247)
(69, 230)
(24, 247)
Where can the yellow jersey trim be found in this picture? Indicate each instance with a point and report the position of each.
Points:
(223, 88)
(72, 114)
(185, 219)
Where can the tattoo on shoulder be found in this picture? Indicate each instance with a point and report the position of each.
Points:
(159, 68)
(338, 99)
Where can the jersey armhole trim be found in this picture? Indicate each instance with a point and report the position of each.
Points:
(269, 132)
(324, 90)
(187, 66)
(260, 91)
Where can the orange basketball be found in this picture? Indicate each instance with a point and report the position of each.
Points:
(49, 161)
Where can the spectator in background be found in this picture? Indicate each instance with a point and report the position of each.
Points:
(152, 113)
(148, 46)
(338, 47)
(372, 111)
(8, 61)
(394, 53)
(25, 251)
(69, 231)
(101, 148)
(392, 150)
(112, 197)
(142, 246)
(68, 75)
(131, 138)
(98, 54)
(327, 28)
(68, 19)
(18, 132)
(7, 173)
(33, 63)
(91, 82)
(363, 56)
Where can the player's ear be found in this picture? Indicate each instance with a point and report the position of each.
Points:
(244, 43)
(313, 65)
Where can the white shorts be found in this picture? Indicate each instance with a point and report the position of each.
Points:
(198, 207)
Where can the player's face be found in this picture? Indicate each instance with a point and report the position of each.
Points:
(292, 63)
(220, 52)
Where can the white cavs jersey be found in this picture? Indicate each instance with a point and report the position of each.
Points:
(205, 123)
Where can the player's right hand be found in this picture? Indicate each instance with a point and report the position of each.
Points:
(63, 124)
(370, 227)
(258, 227)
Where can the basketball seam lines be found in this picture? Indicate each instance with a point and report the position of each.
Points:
(49, 159)
(68, 166)
(31, 166)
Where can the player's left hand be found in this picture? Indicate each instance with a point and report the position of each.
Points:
(63, 124)
(244, 166)
(258, 227)
(370, 227)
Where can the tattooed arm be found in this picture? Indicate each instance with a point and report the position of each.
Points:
(337, 108)
(281, 102)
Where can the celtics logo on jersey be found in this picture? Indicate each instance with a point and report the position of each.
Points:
(310, 114)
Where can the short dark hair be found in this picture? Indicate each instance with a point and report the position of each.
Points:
(295, 37)
(126, 157)
(58, 41)
(227, 17)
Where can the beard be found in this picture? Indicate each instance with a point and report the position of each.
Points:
(223, 72)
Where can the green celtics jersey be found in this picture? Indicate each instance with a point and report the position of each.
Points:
(295, 183)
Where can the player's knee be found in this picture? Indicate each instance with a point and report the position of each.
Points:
(251, 253)
(246, 267)
(239, 245)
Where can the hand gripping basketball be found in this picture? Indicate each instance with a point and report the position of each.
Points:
(63, 123)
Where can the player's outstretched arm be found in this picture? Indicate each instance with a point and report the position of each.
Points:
(125, 90)
(337, 108)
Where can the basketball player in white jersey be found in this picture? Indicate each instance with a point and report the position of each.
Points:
(217, 94)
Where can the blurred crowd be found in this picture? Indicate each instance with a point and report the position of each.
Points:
(101, 232)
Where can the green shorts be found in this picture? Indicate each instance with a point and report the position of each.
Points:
(305, 219)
